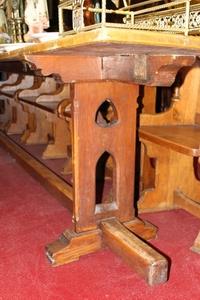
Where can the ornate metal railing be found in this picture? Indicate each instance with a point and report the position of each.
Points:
(177, 16)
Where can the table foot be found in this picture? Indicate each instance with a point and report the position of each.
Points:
(71, 245)
(146, 261)
(143, 229)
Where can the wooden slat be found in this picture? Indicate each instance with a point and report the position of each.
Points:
(46, 106)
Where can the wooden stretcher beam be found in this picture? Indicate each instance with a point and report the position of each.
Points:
(53, 183)
(145, 260)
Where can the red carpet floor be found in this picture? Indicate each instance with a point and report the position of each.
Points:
(30, 218)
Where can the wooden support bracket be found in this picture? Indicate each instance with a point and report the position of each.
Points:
(71, 245)
(143, 229)
(146, 69)
(146, 261)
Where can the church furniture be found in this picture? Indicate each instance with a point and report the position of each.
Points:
(45, 121)
(11, 82)
(172, 138)
(107, 66)
(38, 127)
(36, 115)
(57, 105)
(18, 120)
(5, 115)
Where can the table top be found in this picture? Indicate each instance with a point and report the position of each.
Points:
(110, 42)
(138, 56)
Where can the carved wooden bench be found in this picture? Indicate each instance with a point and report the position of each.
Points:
(18, 118)
(6, 111)
(38, 128)
(32, 111)
(45, 121)
(176, 132)
(172, 138)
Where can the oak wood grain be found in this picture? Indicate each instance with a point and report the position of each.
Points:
(140, 256)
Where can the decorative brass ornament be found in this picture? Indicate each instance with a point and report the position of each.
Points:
(176, 16)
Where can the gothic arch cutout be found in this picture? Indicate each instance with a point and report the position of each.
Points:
(106, 114)
(105, 182)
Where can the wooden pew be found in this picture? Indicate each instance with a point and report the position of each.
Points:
(45, 121)
(172, 139)
(18, 119)
(38, 129)
(5, 115)
(33, 104)
(146, 105)
(115, 63)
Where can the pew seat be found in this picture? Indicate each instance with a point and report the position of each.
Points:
(171, 141)
(184, 139)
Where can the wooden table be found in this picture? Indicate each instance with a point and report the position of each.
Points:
(107, 65)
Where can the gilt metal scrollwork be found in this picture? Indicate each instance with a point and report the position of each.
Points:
(176, 16)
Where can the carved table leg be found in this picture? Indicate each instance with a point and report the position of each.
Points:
(94, 134)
